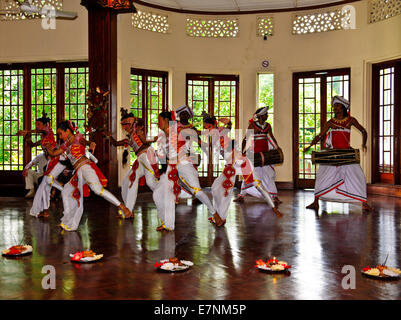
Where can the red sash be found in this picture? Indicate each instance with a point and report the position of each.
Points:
(74, 182)
(50, 166)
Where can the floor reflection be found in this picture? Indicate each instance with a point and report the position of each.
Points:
(316, 245)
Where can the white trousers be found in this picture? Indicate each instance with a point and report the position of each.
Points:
(41, 201)
(221, 201)
(73, 208)
(345, 183)
(129, 192)
(32, 178)
(189, 176)
(164, 199)
(267, 175)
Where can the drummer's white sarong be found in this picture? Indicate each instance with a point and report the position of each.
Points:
(345, 183)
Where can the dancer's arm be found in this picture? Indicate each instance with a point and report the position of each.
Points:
(25, 132)
(320, 136)
(32, 163)
(91, 144)
(247, 136)
(56, 152)
(356, 124)
(28, 139)
(270, 133)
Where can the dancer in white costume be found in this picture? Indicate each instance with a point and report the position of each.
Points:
(345, 183)
(41, 201)
(236, 164)
(145, 165)
(32, 176)
(183, 137)
(172, 147)
(261, 138)
(87, 175)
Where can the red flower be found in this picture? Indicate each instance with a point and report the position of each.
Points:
(77, 256)
(158, 264)
(366, 269)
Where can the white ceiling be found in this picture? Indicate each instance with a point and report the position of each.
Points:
(236, 5)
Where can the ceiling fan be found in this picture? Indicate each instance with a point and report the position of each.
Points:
(28, 8)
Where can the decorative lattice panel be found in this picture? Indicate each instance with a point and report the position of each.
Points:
(150, 21)
(11, 9)
(383, 9)
(264, 26)
(214, 28)
(321, 22)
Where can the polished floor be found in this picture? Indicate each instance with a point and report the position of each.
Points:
(316, 245)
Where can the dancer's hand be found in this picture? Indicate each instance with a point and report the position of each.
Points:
(22, 132)
(92, 147)
(25, 172)
(155, 139)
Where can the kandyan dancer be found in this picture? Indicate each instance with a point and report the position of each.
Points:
(41, 201)
(145, 164)
(345, 183)
(87, 175)
(236, 164)
(261, 139)
(182, 136)
(179, 166)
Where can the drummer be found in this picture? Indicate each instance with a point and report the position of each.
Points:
(344, 183)
(261, 138)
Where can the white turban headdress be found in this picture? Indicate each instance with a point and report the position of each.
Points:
(184, 108)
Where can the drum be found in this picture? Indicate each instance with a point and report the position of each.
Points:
(336, 157)
(274, 156)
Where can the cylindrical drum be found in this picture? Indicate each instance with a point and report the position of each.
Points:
(336, 157)
(274, 156)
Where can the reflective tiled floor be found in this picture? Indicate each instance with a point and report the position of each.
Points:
(317, 247)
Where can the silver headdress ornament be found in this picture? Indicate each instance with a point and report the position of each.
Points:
(181, 109)
(262, 112)
(340, 100)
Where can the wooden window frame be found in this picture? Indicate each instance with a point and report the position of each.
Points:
(208, 180)
(145, 73)
(375, 108)
(309, 183)
(15, 176)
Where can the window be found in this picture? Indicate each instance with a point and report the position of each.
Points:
(386, 122)
(218, 96)
(59, 89)
(148, 96)
(266, 94)
(43, 98)
(11, 118)
(76, 85)
(312, 94)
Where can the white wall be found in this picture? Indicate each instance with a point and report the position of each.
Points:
(179, 54)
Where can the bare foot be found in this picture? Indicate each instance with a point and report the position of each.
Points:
(367, 208)
(277, 202)
(277, 212)
(44, 214)
(314, 205)
(239, 199)
(219, 221)
(124, 212)
(162, 228)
